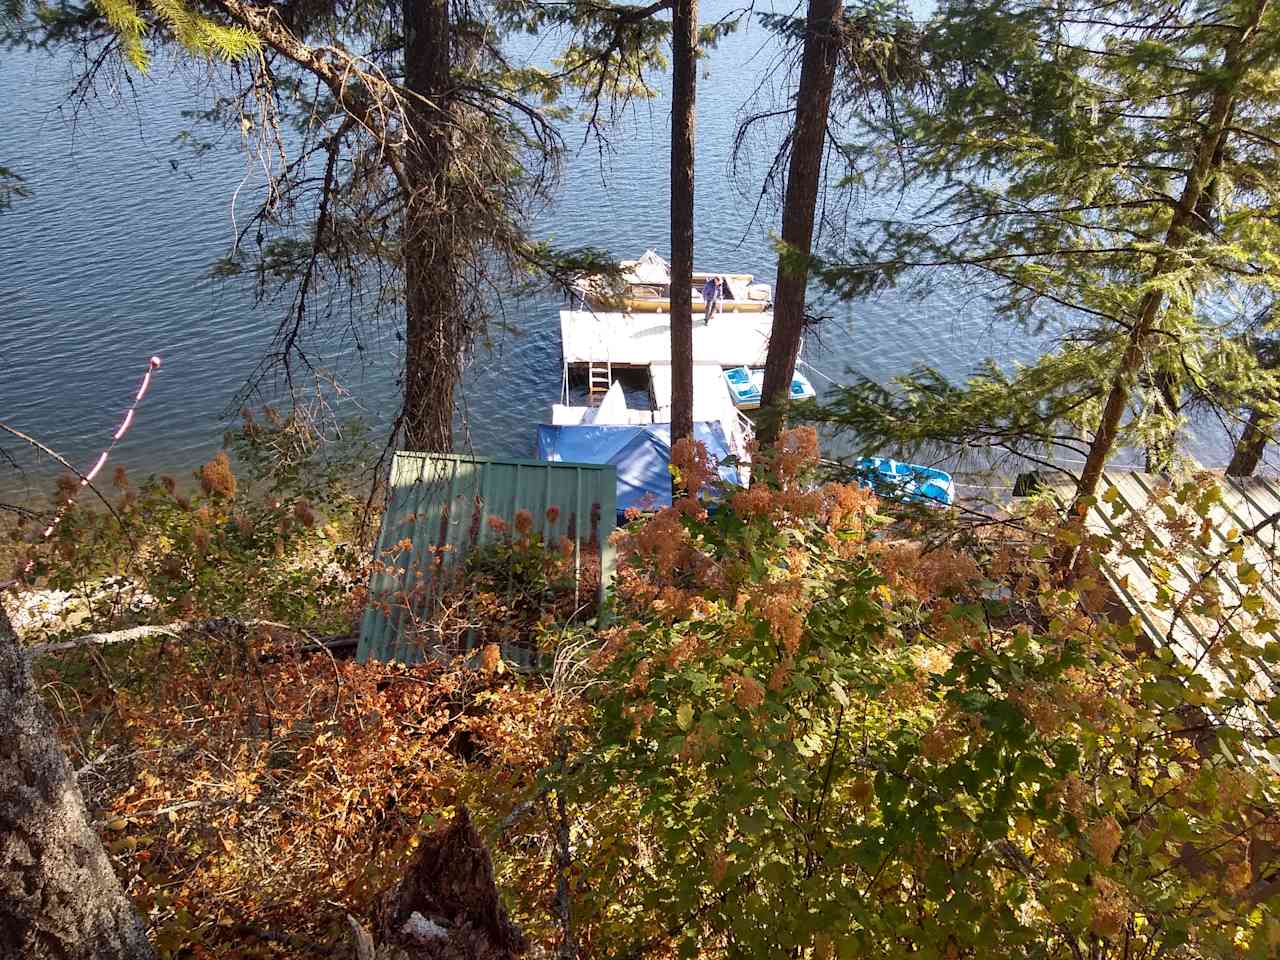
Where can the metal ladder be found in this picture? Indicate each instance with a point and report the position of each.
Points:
(599, 379)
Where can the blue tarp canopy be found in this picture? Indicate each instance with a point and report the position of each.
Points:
(640, 454)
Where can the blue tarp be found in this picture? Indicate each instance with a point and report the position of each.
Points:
(640, 454)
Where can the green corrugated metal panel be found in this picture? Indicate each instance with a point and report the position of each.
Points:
(442, 503)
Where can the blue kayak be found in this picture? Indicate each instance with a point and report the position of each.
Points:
(906, 481)
(746, 385)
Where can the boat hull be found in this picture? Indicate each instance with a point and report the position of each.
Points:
(628, 305)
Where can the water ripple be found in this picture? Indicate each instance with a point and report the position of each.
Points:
(107, 264)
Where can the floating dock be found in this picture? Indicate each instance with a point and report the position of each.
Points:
(605, 342)
(592, 338)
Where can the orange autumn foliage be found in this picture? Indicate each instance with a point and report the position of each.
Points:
(250, 786)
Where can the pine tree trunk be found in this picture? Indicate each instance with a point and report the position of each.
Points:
(684, 43)
(1161, 450)
(1248, 452)
(435, 332)
(59, 898)
(1181, 228)
(808, 140)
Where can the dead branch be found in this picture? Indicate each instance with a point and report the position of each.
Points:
(178, 628)
(62, 461)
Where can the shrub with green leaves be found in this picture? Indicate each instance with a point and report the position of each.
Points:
(814, 739)
(282, 544)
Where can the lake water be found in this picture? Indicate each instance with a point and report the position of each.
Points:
(107, 263)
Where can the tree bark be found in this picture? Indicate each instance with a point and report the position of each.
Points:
(1248, 452)
(1182, 227)
(1160, 451)
(684, 44)
(435, 333)
(59, 898)
(804, 173)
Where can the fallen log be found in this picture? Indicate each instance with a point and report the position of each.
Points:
(128, 635)
(178, 628)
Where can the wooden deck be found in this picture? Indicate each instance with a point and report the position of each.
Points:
(1242, 537)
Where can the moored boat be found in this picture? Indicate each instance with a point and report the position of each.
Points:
(746, 386)
(645, 287)
(906, 481)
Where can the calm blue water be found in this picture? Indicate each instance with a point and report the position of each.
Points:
(107, 264)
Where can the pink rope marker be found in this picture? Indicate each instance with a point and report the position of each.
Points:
(152, 365)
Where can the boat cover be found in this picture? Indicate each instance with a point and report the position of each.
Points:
(650, 268)
(612, 409)
(737, 290)
(640, 454)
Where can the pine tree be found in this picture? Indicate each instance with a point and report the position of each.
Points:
(850, 59)
(414, 153)
(59, 899)
(808, 146)
(1257, 398)
(684, 84)
(1111, 168)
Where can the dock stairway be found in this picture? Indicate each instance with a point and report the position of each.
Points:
(599, 379)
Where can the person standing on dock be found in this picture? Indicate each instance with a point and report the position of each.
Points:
(711, 298)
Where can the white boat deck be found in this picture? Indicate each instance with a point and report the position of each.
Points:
(642, 339)
(711, 399)
(712, 403)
